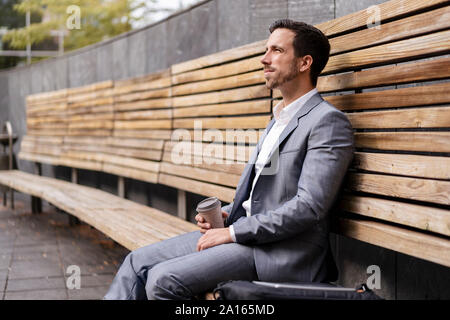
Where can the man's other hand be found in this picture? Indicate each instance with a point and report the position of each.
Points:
(214, 237)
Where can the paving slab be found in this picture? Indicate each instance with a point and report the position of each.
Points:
(53, 294)
(34, 269)
(36, 284)
(5, 260)
(36, 250)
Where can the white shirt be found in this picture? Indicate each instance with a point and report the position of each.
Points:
(282, 117)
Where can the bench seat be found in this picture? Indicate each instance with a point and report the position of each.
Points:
(131, 224)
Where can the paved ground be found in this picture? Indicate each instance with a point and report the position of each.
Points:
(37, 250)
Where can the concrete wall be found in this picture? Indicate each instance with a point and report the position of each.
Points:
(211, 26)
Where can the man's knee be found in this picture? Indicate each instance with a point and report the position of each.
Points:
(164, 284)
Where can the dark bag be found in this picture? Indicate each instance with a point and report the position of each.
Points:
(257, 290)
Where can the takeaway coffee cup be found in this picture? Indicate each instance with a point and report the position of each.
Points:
(211, 210)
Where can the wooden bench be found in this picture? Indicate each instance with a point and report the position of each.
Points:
(391, 81)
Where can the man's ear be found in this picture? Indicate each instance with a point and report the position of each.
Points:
(305, 63)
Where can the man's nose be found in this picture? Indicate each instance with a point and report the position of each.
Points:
(265, 59)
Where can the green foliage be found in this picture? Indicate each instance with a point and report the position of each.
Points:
(100, 19)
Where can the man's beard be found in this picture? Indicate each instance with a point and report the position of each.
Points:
(293, 73)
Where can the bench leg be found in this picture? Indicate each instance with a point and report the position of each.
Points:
(36, 205)
(12, 197)
(182, 204)
(4, 199)
(121, 187)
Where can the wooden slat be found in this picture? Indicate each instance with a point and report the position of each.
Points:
(427, 22)
(416, 244)
(251, 122)
(209, 150)
(91, 116)
(233, 68)
(43, 139)
(39, 158)
(431, 44)
(211, 176)
(406, 141)
(92, 103)
(235, 167)
(121, 151)
(47, 132)
(143, 95)
(89, 132)
(143, 124)
(241, 136)
(141, 115)
(90, 110)
(92, 124)
(83, 155)
(146, 134)
(44, 97)
(81, 164)
(240, 80)
(143, 165)
(221, 57)
(59, 106)
(222, 96)
(209, 190)
(438, 117)
(130, 173)
(142, 86)
(434, 191)
(416, 216)
(236, 108)
(403, 164)
(90, 95)
(386, 75)
(404, 97)
(388, 10)
(135, 143)
(142, 79)
(145, 104)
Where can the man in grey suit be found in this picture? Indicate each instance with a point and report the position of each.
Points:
(277, 228)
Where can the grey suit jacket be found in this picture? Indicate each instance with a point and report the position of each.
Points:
(290, 206)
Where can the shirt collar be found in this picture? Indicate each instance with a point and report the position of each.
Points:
(285, 114)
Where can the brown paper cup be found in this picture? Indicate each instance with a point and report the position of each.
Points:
(211, 210)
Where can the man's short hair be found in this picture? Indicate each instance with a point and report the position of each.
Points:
(308, 41)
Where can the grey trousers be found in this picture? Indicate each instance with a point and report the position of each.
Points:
(174, 269)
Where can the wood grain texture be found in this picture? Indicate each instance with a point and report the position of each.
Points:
(202, 188)
(388, 10)
(438, 141)
(403, 164)
(427, 190)
(431, 44)
(387, 75)
(413, 243)
(421, 217)
(438, 117)
(407, 27)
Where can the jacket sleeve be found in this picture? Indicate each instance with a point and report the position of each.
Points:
(329, 153)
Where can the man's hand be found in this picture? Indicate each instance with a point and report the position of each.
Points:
(214, 237)
(206, 226)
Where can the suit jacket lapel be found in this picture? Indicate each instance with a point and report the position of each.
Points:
(293, 123)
